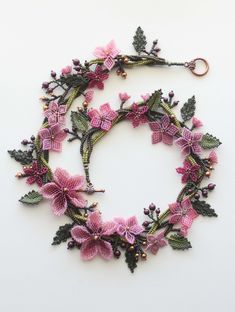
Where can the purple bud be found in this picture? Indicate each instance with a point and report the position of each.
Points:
(24, 142)
(66, 130)
(158, 210)
(171, 94)
(211, 186)
(145, 223)
(45, 85)
(53, 74)
(76, 62)
(146, 211)
(152, 207)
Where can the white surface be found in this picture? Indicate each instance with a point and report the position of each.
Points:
(37, 36)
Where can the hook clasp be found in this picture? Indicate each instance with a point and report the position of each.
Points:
(192, 65)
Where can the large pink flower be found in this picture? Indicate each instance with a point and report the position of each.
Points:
(97, 77)
(189, 171)
(102, 119)
(63, 190)
(55, 113)
(163, 130)
(137, 114)
(34, 173)
(92, 237)
(182, 213)
(108, 54)
(155, 241)
(52, 137)
(189, 142)
(128, 228)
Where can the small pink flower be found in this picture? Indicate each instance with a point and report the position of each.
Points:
(63, 190)
(124, 96)
(163, 130)
(129, 228)
(145, 97)
(189, 171)
(182, 213)
(196, 123)
(108, 54)
(52, 137)
(97, 77)
(155, 241)
(137, 115)
(35, 173)
(213, 158)
(102, 119)
(66, 70)
(92, 236)
(189, 142)
(89, 96)
(55, 113)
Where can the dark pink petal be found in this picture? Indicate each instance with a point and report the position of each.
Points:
(185, 178)
(165, 121)
(109, 228)
(95, 122)
(106, 125)
(175, 218)
(135, 122)
(196, 148)
(80, 233)
(156, 137)
(59, 205)
(52, 119)
(187, 134)
(50, 190)
(129, 237)
(136, 229)
(167, 138)
(44, 133)
(62, 109)
(109, 62)
(99, 84)
(92, 113)
(180, 170)
(172, 130)
(61, 177)
(60, 136)
(56, 146)
(155, 126)
(94, 221)
(89, 249)
(75, 182)
(143, 109)
(105, 249)
(111, 115)
(175, 207)
(55, 129)
(30, 180)
(76, 199)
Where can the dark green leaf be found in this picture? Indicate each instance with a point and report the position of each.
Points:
(24, 157)
(188, 109)
(73, 80)
(209, 141)
(79, 121)
(154, 101)
(131, 260)
(204, 208)
(179, 242)
(139, 42)
(62, 234)
(31, 198)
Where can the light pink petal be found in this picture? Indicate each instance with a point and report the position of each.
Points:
(105, 249)
(124, 96)
(109, 62)
(109, 228)
(187, 135)
(75, 182)
(48, 113)
(61, 119)
(106, 125)
(186, 203)
(153, 248)
(105, 109)
(56, 146)
(145, 97)
(44, 133)
(80, 233)
(94, 221)
(55, 129)
(175, 218)
(196, 148)
(111, 115)
(76, 199)
(129, 237)
(172, 130)
(186, 150)
(46, 144)
(167, 138)
(59, 205)
(156, 137)
(89, 249)
(136, 229)
(50, 190)
(112, 49)
(100, 53)
(53, 106)
(197, 136)
(184, 230)
(192, 213)
(131, 221)
(121, 229)
(181, 142)
(89, 96)
(60, 136)
(155, 126)
(52, 119)
(95, 122)
(162, 243)
(93, 113)
(175, 207)
(62, 109)
(143, 109)
(61, 177)
(186, 221)
(165, 121)
(121, 221)
(213, 157)
(196, 122)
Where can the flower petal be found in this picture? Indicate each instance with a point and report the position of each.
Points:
(94, 221)
(50, 190)
(93, 113)
(89, 249)
(167, 138)
(106, 125)
(156, 137)
(44, 133)
(129, 237)
(155, 126)
(76, 199)
(56, 146)
(59, 205)
(165, 121)
(105, 249)
(109, 62)
(61, 177)
(75, 182)
(109, 228)
(80, 233)
(136, 229)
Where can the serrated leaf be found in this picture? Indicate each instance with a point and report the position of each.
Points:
(73, 80)
(154, 101)
(179, 242)
(79, 121)
(209, 141)
(32, 198)
(23, 157)
(203, 208)
(131, 260)
(139, 42)
(188, 109)
(63, 234)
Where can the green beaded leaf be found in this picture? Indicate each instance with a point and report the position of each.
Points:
(209, 141)
(73, 81)
(188, 109)
(131, 260)
(204, 208)
(79, 121)
(154, 101)
(63, 234)
(32, 198)
(23, 157)
(139, 42)
(179, 242)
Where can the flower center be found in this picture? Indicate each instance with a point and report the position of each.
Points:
(65, 190)
(96, 237)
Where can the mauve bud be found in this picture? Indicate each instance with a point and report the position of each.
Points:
(171, 94)
(76, 62)
(53, 74)
(45, 85)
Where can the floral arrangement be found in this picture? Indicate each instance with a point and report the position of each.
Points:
(67, 193)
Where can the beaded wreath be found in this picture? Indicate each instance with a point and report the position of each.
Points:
(86, 230)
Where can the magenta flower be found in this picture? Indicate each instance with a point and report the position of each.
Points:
(92, 237)
(213, 158)
(137, 114)
(52, 137)
(64, 190)
(124, 96)
(155, 241)
(128, 228)
(97, 77)
(55, 113)
(196, 123)
(35, 173)
(108, 54)
(189, 142)
(66, 70)
(182, 213)
(189, 171)
(102, 119)
(163, 130)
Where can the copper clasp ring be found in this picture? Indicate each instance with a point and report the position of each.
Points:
(193, 64)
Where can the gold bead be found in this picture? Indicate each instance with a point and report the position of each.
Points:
(211, 167)
(172, 116)
(132, 248)
(45, 107)
(85, 104)
(208, 174)
(118, 72)
(137, 255)
(18, 175)
(144, 256)
(144, 243)
(96, 237)
(93, 205)
(126, 59)
(86, 215)
(124, 75)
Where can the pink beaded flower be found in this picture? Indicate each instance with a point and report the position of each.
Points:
(213, 158)
(108, 54)
(182, 213)
(92, 237)
(97, 77)
(163, 130)
(128, 228)
(64, 190)
(55, 113)
(52, 137)
(34, 173)
(189, 142)
(103, 118)
(137, 114)
(189, 171)
(196, 123)
(155, 241)
(124, 96)
(66, 70)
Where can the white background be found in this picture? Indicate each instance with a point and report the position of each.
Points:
(37, 36)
